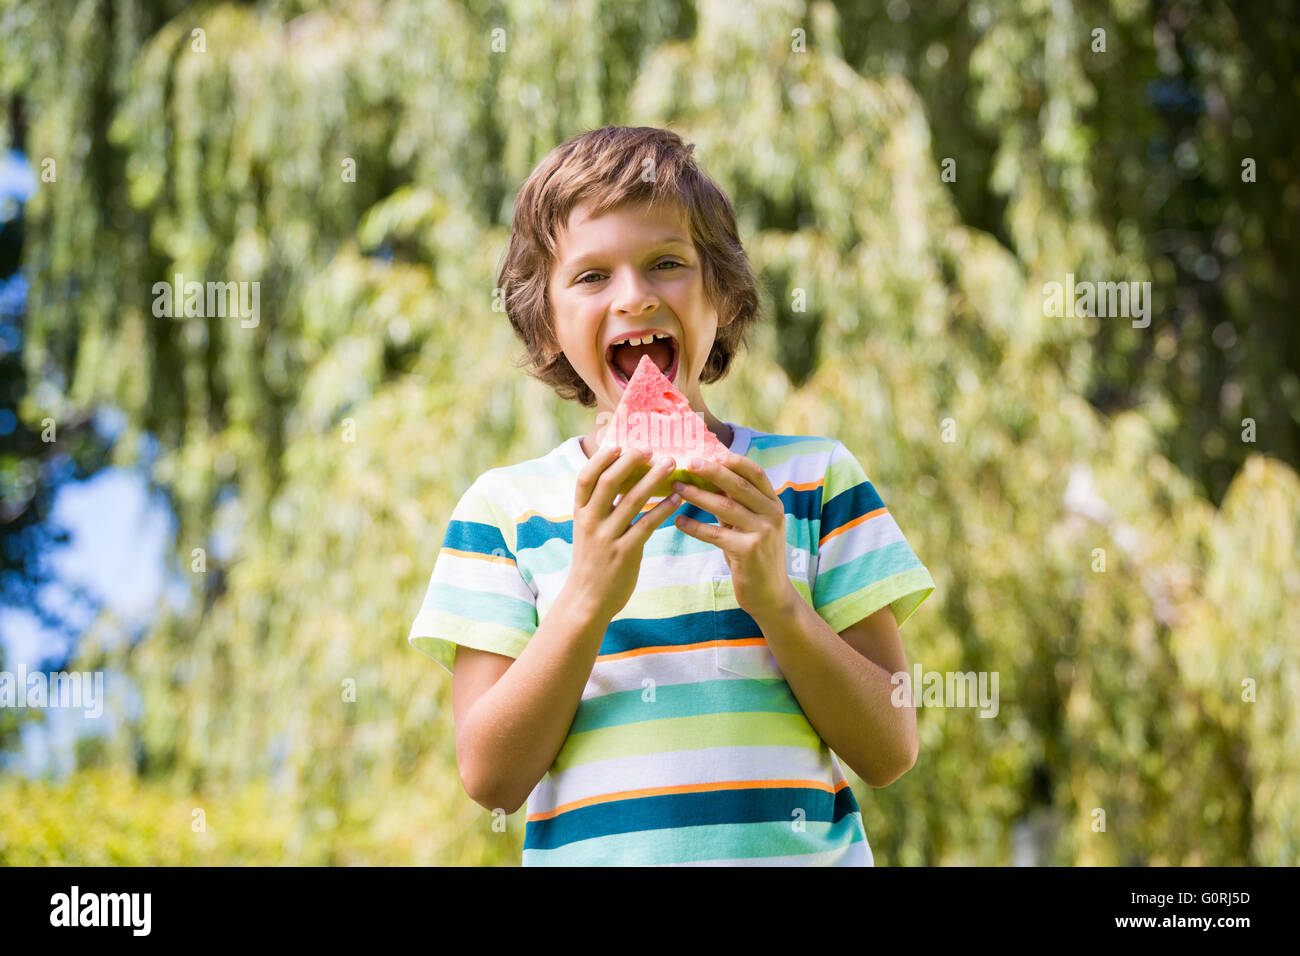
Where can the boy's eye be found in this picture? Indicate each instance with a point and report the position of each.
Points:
(597, 275)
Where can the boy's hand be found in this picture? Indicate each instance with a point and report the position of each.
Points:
(750, 532)
(607, 543)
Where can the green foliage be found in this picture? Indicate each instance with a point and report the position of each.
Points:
(336, 435)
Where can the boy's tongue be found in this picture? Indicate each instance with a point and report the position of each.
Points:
(626, 357)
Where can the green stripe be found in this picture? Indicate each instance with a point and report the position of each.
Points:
(879, 564)
(904, 591)
(673, 600)
(685, 700)
(780, 454)
(668, 601)
(687, 733)
(842, 475)
(437, 634)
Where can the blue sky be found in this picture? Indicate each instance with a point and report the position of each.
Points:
(119, 539)
(120, 533)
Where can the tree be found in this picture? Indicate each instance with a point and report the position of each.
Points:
(359, 166)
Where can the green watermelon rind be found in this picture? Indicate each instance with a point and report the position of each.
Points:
(664, 487)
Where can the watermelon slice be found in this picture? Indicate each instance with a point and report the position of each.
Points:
(655, 416)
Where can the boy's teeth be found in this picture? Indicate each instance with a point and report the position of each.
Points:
(642, 340)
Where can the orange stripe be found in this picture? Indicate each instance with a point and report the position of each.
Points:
(674, 648)
(494, 558)
(806, 486)
(856, 521)
(537, 514)
(683, 788)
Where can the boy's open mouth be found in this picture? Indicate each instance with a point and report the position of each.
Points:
(624, 353)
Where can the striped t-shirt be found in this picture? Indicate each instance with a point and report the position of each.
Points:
(688, 746)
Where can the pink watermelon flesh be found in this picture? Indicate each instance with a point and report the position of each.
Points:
(655, 416)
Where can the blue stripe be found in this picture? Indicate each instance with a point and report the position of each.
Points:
(633, 633)
(536, 531)
(481, 606)
(802, 505)
(863, 572)
(857, 501)
(760, 805)
(476, 537)
(776, 441)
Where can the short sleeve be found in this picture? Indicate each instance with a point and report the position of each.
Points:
(476, 596)
(863, 560)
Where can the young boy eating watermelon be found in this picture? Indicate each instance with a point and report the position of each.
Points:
(663, 679)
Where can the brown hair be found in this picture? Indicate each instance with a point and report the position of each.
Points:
(605, 167)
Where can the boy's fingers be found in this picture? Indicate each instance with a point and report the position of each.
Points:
(720, 506)
(711, 533)
(615, 477)
(645, 525)
(591, 472)
(753, 471)
(632, 502)
(738, 486)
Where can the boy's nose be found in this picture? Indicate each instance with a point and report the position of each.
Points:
(634, 296)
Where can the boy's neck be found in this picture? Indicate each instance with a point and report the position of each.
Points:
(721, 430)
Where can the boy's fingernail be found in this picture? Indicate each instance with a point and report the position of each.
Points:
(695, 463)
(678, 486)
(675, 498)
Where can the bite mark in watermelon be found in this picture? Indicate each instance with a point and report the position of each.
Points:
(655, 416)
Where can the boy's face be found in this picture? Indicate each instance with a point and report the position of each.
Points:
(632, 272)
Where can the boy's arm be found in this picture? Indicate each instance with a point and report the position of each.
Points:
(512, 719)
(513, 715)
(844, 684)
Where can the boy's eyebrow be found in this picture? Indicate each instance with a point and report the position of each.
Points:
(668, 240)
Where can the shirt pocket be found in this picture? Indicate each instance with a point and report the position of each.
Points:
(739, 646)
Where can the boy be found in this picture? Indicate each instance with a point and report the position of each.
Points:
(663, 681)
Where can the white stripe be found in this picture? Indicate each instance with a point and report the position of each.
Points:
(664, 669)
(476, 575)
(677, 768)
(800, 470)
(848, 545)
(657, 571)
